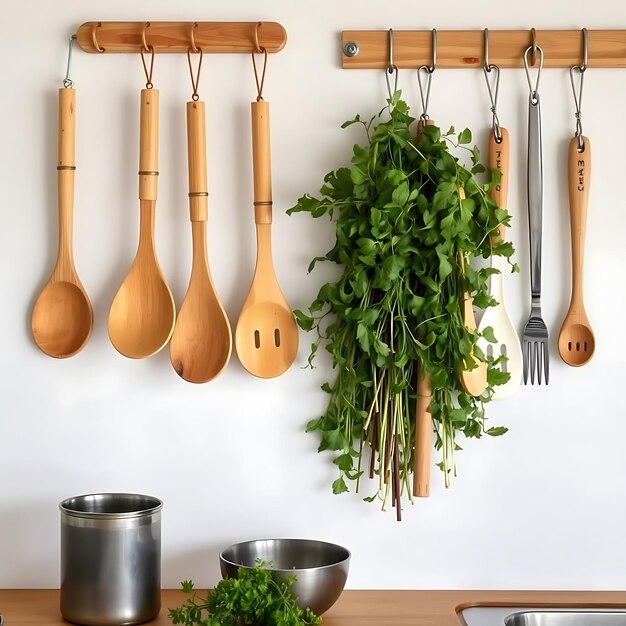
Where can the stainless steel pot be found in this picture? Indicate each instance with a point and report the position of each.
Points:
(110, 559)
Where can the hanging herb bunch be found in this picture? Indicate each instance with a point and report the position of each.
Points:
(405, 238)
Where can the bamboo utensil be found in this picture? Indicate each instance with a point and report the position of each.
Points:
(202, 341)
(142, 316)
(266, 337)
(62, 318)
(576, 339)
(497, 317)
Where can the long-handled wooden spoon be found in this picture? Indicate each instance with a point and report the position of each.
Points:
(202, 341)
(576, 340)
(63, 318)
(142, 316)
(497, 317)
(473, 381)
(266, 337)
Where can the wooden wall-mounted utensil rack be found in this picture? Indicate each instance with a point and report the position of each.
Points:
(466, 48)
(177, 36)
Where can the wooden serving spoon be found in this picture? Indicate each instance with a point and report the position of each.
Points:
(142, 316)
(423, 418)
(576, 340)
(266, 337)
(473, 381)
(62, 319)
(202, 341)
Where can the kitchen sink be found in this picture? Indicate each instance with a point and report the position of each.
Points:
(529, 616)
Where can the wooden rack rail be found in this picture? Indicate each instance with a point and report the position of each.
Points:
(366, 49)
(179, 36)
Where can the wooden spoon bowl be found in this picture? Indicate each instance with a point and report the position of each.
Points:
(62, 319)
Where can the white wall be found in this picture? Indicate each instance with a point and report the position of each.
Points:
(543, 506)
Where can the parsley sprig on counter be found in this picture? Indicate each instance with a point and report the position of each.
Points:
(253, 598)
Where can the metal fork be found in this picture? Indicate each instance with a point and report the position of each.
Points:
(535, 335)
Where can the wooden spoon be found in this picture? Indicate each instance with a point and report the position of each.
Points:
(423, 418)
(63, 318)
(142, 316)
(266, 337)
(473, 381)
(576, 340)
(202, 341)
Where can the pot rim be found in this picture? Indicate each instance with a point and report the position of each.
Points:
(67, 509)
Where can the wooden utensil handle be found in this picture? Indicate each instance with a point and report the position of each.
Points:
(499, 159)
(196, 159)
(66, 169)
(67, 128)
(261, 162)
(149, 144)
(579, 177)
(423, 430)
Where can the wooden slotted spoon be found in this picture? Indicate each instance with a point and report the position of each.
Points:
(497, 317)
(143, 313)
(202, 341)
(266, 337)
(62, 319)
(576, 340)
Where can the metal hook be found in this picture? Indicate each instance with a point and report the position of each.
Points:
(434, 65)
(428, 72)
(486, 66)
(258, 48)
(67, 81)
(533, 92)
(493, 97)
(583, 67)
(534, 46)
(194, 48)
(147, 48)
(144, 45)
(391, 68)
(578, 95)
(96, 45)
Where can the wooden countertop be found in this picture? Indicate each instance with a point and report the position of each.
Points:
(39, 607)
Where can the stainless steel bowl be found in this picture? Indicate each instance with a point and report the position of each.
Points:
(321, 567)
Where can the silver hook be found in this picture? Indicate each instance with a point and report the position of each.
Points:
(583, 67)
(486, 66)
(578, 95)
(493, 91)
(391, 68)
(428, 72)
(67, 81)
(533, 92)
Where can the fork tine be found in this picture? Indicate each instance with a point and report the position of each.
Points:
(525, 360)
(546, 362)
(533, 361)
(539, 365)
